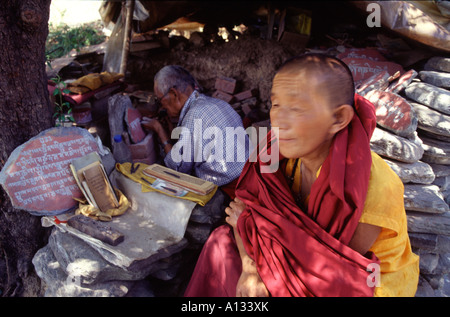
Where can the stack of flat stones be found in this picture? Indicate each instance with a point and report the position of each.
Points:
(71, 267)
(413, 136)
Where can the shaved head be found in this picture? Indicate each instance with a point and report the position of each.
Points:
(329, 75)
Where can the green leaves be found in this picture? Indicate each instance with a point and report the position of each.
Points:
(62, 38)
(63, 109)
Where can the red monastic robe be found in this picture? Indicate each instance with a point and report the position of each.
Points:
(298, 252)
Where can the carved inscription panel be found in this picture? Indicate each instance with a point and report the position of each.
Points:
(37, 176)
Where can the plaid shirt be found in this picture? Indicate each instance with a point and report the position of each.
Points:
(206, 146)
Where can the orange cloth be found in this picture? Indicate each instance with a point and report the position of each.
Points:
(384, 207)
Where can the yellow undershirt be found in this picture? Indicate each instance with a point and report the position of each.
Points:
(384, 207)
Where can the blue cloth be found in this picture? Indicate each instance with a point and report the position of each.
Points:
(212, 143)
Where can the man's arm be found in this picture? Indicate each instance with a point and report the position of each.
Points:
(155, 126)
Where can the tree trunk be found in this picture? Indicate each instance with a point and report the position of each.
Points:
(24, 112)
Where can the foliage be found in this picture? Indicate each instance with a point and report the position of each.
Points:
(63, 38)
(63, 109)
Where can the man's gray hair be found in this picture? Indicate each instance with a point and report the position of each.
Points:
(174, 76)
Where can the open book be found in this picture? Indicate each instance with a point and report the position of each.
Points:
(91, 177)
(188, 182)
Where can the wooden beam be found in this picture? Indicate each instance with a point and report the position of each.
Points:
(128, 6)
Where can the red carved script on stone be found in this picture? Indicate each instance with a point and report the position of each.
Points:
(37, 176)
(393, 112)
(364, 68)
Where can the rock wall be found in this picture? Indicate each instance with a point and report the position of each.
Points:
(421, 159)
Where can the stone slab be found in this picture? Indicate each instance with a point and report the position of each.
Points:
(430, 242)
(438, 63)
(424, 198)
(424, 288)
(443, 265)
(396, 147)
(393, 112)
(440, 170)
(428, 134)
(364, 68)
(402, 82)
(364, 53)
(96, 229)
(37, 176)
(429, 95)
(436, 151)
(428, 262)
(440, 284)
(133, 121)
(145, 151)
(77, 258)
(445, 189)
(439, 79)
(420, 222)
(117, 106)
(443, 183)
(213, 211)
(378, 81)
(198, 233)
(153, 227)
(58, 283)
(417, 172)
(432, 120)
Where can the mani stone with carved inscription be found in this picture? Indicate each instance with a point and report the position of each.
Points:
(37, 176)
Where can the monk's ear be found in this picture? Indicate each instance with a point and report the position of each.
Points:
(343, 114)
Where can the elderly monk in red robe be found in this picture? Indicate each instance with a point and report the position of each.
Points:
(331, 220)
